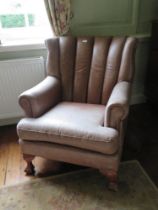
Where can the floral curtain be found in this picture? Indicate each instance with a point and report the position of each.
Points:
(59, 12)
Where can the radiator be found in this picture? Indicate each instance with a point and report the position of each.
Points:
(16, 76)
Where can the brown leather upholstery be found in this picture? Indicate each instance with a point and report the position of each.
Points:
(81, 106)
(74, 124)
(40, 98)
(90, 67)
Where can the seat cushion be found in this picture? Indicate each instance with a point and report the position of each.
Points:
(74, 124)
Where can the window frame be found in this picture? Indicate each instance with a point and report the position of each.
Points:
(26, 43)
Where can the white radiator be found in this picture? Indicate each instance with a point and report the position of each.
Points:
(16, 76)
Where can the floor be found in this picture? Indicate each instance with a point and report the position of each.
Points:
(141, 143)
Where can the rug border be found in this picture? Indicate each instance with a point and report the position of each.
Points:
(144, 172)
(78, 171)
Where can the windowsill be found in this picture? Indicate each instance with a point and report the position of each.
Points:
(39, 44)
(22, 46)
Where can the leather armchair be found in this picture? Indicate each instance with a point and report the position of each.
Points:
(77, 114)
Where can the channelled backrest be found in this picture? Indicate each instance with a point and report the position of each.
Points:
(89, 67)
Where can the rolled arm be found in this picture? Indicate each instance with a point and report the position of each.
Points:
(118, 105)
(40, 98)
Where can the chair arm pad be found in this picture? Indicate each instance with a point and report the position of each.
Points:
(40, 98)
(118, 105)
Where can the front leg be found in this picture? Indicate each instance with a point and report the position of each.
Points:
(30, 169)
(112, 179)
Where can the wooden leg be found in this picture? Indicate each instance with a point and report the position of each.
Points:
(112, 179)
(30, 169)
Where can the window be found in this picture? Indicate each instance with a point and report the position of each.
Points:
(23, 21)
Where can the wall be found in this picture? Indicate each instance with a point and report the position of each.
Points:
(111, 17)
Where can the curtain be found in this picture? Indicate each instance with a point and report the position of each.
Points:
(59, 12)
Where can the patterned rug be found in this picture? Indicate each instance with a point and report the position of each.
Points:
(83, 190)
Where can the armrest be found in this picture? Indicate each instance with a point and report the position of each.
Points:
(118, 105)
(40, 98)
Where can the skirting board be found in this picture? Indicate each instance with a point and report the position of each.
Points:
(135, 99)
(9, 121)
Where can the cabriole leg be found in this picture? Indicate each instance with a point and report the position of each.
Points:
(30, 169)
(112, 179)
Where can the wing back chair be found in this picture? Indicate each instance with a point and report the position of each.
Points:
(77, 113)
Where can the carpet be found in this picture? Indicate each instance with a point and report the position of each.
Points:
(83, 190)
